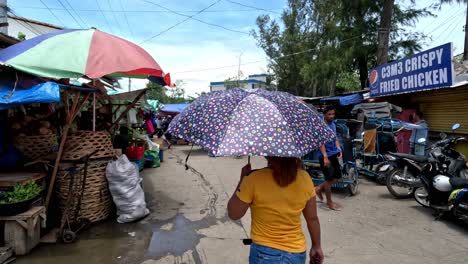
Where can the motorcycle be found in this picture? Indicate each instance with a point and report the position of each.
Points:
(403, 170)
(442, 183)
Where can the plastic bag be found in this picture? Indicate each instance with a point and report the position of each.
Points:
(151, 145)
(153, 158)
(124, 185)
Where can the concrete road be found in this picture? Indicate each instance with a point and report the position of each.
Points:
(188, 224)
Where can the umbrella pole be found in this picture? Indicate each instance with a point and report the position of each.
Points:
(248, 160)
(94, 112)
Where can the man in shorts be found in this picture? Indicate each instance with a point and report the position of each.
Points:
(329, 163)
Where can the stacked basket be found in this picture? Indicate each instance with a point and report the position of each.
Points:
(96, 202)
(34, 147)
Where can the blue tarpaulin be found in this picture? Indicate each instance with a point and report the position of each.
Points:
(27, 93)
(346, 99)
(173, 108)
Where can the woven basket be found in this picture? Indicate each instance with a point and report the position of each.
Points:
(96, 202)
(34, 147)
(82, 143)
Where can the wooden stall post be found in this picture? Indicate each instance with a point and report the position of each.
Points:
(71, 115)
(128, 108)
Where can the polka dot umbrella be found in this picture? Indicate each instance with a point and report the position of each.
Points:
(239, 122)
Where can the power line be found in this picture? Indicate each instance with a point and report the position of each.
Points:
(26, 25)
(76, 13)
(253, 62)
(180, 22)
(53, 14)
(72, 16)
(149, 11)
(450, 18)
(196, 19)
(126, 20)
(252, 7)
(453, 26)
(115, 18)
(105, 18)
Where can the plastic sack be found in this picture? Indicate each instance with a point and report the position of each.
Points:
(124, 185)
(151, 145)
(153, 158)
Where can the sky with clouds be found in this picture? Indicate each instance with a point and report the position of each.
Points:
(197, 52)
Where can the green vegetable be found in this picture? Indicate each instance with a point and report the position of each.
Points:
(21, 193)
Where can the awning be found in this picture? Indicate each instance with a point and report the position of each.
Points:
(345, 100)
(27, 92)
(173, 108)
(376, 110)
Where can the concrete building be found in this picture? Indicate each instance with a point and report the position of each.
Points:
(30, 28)
(255, 81)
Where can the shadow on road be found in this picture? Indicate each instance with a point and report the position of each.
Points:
(448, 220)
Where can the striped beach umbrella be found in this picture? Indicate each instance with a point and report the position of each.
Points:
(72, 53)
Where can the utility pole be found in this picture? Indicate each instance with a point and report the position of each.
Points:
(3, 17)
(384, 32)
(465, 50)
(238, 71)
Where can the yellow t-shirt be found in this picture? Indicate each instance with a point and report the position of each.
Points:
(276, 211)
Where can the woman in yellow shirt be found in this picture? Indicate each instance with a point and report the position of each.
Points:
(277, 196)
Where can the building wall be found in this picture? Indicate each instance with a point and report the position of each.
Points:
(258, 77)
(217, 87)
(31, 30)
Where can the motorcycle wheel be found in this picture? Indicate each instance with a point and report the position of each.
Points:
(398, 189)
(421, 196)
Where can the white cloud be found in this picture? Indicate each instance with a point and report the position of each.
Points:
(184, 59)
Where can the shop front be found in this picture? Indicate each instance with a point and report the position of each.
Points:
(435, 90)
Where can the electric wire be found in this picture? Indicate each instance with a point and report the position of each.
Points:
(180, 22)
(105, 18)
(271, 59)
(196, 19)
(71, 15)
(53, 14)
(252, 7)
(126, 20)
(76, 13)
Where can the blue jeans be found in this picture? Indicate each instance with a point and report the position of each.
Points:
(262, 255)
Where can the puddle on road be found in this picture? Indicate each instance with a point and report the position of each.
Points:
(181, 237)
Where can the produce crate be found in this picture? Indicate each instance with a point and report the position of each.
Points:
(22, 231)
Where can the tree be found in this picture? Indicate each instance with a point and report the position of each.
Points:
(321, 40)
(384, 32)
(236, 82)
(21, 36)
(465, 49)
(160, 93)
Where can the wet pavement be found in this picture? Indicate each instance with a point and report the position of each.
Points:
(188, 224)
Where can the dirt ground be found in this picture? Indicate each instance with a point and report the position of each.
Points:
(188, 224)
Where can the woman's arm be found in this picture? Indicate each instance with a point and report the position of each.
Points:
(313, 224)
(236, 207)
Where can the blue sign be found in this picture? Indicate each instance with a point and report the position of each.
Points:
(426, 70)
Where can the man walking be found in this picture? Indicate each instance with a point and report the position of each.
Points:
(329, 163)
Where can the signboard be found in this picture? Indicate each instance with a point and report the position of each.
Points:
(426, 70)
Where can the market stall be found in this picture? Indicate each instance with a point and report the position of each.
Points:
(74, 160)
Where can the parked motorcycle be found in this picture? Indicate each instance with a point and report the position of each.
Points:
(444, 194)
(403, 170)
(443, 185)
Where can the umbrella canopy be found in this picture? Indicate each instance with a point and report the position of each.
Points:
(240, 122)
(74, 53)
